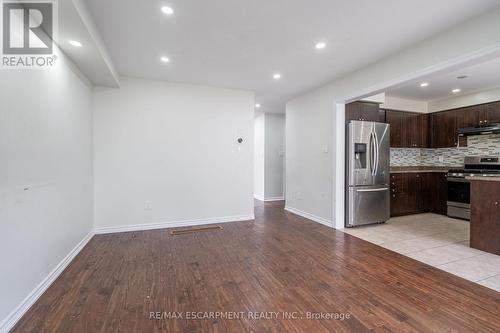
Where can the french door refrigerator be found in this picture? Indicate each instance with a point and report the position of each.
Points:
(367, 173)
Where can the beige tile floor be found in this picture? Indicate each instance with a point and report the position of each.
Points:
(438, 241)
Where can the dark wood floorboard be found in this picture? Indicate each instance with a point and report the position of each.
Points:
(280, 262)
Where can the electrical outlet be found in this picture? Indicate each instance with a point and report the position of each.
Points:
(148, 205)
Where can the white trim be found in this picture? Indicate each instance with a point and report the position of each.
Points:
(275, 199)
(309, 216)
(338, 171)
(173, 224)
(259, 198)
(11, 320)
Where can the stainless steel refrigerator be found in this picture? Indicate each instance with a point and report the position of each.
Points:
(367, 173)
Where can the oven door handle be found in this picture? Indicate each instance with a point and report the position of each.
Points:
(459, 180)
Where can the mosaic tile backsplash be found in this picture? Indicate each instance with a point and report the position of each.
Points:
(452, 157)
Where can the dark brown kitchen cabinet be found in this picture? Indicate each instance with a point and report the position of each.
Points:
(444, 129)
(485, 216)
(408, 193)
(408, 130)
(420, 192)
(469, 116)
(411, 130)
(416, 128)
(396, 120)
(415, 193)
(493, 113)
(438, 192)
(366, 111)
(398, 194)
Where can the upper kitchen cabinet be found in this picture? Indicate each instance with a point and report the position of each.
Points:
(478, 115)
(396, 120)
(408, 130)
(364, 111)
(492, 113)
(444, 129)
(416, 128)
(470, 116)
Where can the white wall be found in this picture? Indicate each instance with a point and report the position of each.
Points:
(309, 135)
(274, 156)
(312, 119)
(259, 155)
(45, 175)
(481, 97)
(403, 104)
(172, 147)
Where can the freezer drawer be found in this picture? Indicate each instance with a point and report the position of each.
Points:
(367, 205)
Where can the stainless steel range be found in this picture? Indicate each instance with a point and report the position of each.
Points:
(459, 185)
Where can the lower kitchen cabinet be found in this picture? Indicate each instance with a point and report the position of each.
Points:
(413, 193)
(438, 192)
(485, 216)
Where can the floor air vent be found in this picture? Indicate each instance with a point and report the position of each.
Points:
(194, 230)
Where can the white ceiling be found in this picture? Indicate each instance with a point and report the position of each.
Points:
(240, 44)
(75, 24)
(480, 77)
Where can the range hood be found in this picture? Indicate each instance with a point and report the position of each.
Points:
(480, 130)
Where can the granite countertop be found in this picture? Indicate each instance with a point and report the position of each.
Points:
(416, 169)
(484, 179)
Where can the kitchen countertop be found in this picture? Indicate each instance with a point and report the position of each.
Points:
(417, 169)
(484, 179)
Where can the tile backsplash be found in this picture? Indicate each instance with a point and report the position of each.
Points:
(453, 157)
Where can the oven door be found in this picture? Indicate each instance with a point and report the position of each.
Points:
(459, 198)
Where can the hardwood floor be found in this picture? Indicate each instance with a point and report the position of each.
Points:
(279, 263)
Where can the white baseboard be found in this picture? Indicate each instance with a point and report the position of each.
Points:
(11, 320)
(311, 217)
(274, 199)
(258, 198)
(173, 224)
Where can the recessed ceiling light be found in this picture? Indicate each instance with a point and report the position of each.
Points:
(75, 43)
(455, 91)
(167, 10)
(320, 45)
(424, 84)
(165, 59)
(462, 77)
(276, 76)
(257, 105)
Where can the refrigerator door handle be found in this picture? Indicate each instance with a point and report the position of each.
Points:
(372, 154)
(377, 153)
(373, 190)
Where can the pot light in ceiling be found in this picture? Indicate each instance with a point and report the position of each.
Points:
(257, 105)
(276, 76)
(167, 10)
(320, 45)
(75, 43)
(424, 84)
(456, 91)
(165, 59)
